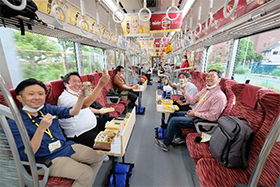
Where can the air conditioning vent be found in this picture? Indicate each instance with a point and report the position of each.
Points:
(151, 3)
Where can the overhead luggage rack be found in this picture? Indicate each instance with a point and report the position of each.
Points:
(40, 27)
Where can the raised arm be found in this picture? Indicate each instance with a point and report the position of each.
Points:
(102, 82)
(171, 84)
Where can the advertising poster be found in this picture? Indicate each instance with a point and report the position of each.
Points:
(111, 59)
(133, 25)
(242, 8)
(159, 22)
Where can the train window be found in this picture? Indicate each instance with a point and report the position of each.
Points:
(42, 57)
(218, 60)
(258, 60)
(117, 58)
(92, 59)
(122, 59)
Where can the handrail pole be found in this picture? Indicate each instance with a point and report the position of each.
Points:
(265, 151)
(22, 130)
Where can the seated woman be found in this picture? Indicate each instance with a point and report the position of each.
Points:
(47, 140)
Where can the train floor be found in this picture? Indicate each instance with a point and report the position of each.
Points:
(153, 166)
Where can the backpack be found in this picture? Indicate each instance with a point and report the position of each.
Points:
(230, 143)
(28, 12)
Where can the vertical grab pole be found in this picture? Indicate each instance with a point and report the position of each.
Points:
(267, 146)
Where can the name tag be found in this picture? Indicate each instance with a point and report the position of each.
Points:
(54, 145)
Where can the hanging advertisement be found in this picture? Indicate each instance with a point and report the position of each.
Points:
(198, 57)
(133, 25)
(111, 59)
(74, 16)
(160, 23)
(161, 43)
(219, 20)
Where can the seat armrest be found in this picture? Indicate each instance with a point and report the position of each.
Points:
(112, 96)
(202, 122)
(41, 163)
(46, 162)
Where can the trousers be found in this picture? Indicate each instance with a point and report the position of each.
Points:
(81, 166)
(177, 121)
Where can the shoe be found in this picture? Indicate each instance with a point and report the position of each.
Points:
(161, 145)
(106, 158)
(164, 125)
(178, 141)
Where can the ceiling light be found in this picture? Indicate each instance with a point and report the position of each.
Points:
(187, 7)
(113, 7)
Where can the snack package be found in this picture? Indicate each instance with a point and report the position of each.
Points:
(166, 102)
(171, 107)
(106, 110)
(105, 137)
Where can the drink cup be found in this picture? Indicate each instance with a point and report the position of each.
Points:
(88, 89)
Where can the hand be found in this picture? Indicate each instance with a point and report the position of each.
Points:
(190, 114)
(134, 87)
(104, 80)
(81, 93)
(46, 122)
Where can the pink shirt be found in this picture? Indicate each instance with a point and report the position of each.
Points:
(212, 106)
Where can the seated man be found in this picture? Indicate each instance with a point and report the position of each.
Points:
(210, 103)
(46, 138)
(184, 84)
(119, 83)
(84, 127)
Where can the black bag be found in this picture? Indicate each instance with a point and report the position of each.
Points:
(96, 105)
(230, 143)
(183, 99)
(28, 12)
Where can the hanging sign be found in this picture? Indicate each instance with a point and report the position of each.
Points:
(158, 43)
(160, 23)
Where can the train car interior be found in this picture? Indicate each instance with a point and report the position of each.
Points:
(156, 50)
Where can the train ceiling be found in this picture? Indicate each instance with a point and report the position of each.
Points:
(240, 27)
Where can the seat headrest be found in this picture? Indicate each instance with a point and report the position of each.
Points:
(57, 88)
(249, 95)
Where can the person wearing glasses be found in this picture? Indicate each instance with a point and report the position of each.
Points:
(209, 104)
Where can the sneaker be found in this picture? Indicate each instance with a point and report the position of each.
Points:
(161, 145)
(106, 158)
(178, 141)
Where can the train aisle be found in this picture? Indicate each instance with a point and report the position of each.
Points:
(153, 166)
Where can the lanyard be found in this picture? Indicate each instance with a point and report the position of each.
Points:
(72, 94)
(203, 97)
(47, 131)
(121, 79)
